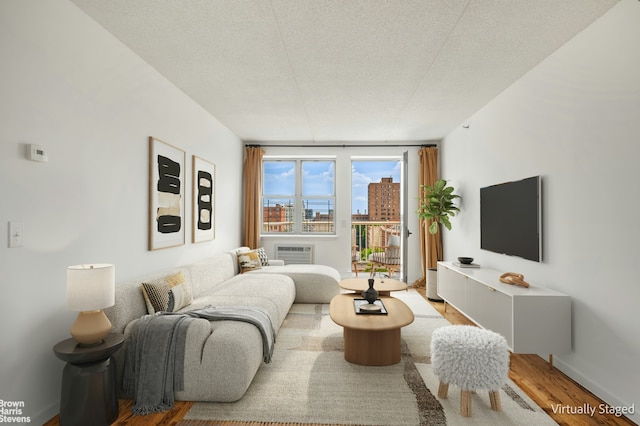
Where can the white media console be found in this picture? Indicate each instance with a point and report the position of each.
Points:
(534, 320)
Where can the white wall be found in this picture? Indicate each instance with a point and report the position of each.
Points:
(68, 85)
(573, 120)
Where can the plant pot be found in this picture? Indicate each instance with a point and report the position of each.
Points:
(432, 285)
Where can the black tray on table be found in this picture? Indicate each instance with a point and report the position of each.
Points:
(357, 303)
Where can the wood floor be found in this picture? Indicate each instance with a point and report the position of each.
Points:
(547, 386)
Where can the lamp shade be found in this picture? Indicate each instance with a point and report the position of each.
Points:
(90, 287)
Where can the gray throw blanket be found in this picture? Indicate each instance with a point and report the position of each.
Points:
(154, 361)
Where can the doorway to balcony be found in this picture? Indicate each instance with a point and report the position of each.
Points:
(378, 197)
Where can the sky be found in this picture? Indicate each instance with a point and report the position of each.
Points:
(319, 176)
(365, 172)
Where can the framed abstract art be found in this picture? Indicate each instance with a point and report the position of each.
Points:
(204, 174)
(166, 195)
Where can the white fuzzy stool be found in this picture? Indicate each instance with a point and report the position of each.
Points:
(472, 359)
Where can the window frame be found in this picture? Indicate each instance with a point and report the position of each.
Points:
(299, 199)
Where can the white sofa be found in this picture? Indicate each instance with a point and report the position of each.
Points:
(222, 357)
(314, 283)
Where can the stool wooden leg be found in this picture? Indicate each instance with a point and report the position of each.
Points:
(465, 403)
(443, 390)
(494, 397)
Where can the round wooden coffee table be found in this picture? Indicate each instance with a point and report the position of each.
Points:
(384, 285)
(371, 339)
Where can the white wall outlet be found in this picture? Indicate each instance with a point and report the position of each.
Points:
(37, 153)
(16, 230)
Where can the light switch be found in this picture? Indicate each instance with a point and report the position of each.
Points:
(16, 230)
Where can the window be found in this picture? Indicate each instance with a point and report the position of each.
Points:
(298, 196)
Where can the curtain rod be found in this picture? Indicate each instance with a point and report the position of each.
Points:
(341, 146)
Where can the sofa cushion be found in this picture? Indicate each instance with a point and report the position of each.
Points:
(272, 293)
(170, 293)
(211, 272)
(394, 240)
(314, 283)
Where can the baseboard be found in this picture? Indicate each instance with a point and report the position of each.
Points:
(45, 415)
(602, 393)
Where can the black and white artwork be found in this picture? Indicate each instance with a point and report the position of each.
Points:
(203, 200)
(166, 195)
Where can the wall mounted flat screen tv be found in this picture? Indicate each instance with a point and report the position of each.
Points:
(511, 218)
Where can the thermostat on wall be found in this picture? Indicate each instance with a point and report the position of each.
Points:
(37, 153)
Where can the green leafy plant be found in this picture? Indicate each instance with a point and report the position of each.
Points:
(364, 254)
(437, 204)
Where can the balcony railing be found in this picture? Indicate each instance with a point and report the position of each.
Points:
(369, 236)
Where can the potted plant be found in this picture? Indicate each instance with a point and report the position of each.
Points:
(437, 205)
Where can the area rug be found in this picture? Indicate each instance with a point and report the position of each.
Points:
(309, 381)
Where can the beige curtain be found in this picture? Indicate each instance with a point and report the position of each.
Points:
(430, 245)
(252, 191)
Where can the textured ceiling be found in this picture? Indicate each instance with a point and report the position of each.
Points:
(343, 70)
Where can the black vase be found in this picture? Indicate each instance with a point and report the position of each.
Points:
(370, 294)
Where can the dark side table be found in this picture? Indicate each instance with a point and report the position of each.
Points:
(89, 395)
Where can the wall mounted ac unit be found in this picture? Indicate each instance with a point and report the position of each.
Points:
(295, 253)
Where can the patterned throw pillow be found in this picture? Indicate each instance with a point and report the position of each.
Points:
(249, 260)
(156, 296)
(169, 294)
(262, 254)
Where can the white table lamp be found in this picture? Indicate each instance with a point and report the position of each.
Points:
(90, 288)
